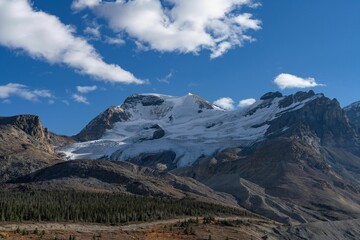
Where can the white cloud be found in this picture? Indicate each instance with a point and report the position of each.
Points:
(185, 26)
(94, 32)
(43, 93)
(225, 103)
(81, 4)
(80, 99)
(286, 80)
(86, 89)
(44, 36)
(247, 102)
(114, 40)
(246, 22)
(22, 91)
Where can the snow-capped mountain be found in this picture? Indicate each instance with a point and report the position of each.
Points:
(290, 158)
(189, 127)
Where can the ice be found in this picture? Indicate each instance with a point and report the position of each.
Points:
(190, 131)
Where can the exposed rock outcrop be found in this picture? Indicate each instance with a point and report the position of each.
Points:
(25, 146)
(322, 117)
(271, 95)
(98, 126)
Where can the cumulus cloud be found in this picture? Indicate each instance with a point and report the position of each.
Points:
(185, 26)
(80, 99)
(286, 80)
(86, 89)
(22, 91)
(247, 102)
(225, 103)
(44, 36)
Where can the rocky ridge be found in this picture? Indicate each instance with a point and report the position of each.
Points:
(121, 177)
(25, 146)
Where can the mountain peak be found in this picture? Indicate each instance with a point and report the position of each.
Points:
(25, 145)
(355, 105)
(144, 99)
(154, 99)
(271, 95)
(30, 124)
(298, 97)
(142, 106)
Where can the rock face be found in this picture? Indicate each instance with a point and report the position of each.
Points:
(162, 160)
(98, 126)
(31, 125)
(25, 146)
(322, 117)
(353, 113)
(271, 95)
(144, 100)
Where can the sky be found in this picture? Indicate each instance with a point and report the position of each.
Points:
(69, 60)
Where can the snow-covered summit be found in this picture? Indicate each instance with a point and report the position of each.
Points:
(355, 105)
(157, 106)
(188, 126)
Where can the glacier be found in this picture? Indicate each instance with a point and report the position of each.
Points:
(192, 128)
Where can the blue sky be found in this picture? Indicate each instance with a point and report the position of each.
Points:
(226, 53)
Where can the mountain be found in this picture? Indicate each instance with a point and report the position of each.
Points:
(140, 119)
(292, 158)
(25, 146)
(29, 162)
(306, 169)
(133, 107)
(185, 127)
(188, 127)
(353, 113)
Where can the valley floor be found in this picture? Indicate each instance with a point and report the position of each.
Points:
(189, 228)
(184, 228)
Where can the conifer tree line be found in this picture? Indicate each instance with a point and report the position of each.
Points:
(109, 208)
